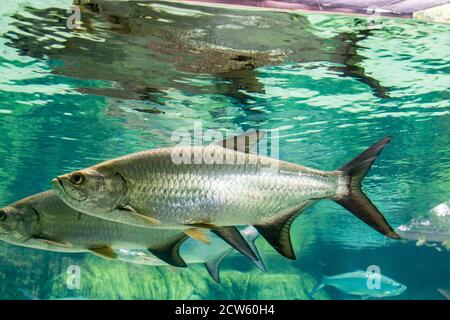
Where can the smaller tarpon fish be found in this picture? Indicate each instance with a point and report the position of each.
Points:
(361, 284)
(43, 221)
(152, 190)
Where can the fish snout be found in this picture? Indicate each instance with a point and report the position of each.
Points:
(58, 185)
(69, 186)
(56, 182)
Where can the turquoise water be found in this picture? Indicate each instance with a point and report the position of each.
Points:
(331, 85)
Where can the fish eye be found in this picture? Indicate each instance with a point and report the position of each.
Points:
(2, 215)
(77, 178)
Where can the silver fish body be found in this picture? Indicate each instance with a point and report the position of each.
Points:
(50, 218)
(43, 221)
(250, 190)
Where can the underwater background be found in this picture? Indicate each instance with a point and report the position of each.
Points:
(136, 71)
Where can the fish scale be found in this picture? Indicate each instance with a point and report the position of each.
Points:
(241, 193)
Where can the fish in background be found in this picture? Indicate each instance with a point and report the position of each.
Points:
(433, 228)
(149, 189)
(357, 283)
(43, 221)
(445, 293)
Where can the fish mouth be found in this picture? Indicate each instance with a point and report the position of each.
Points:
(59, 185)
(57, 182)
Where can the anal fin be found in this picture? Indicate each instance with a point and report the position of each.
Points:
(130, 210)
(234, 238)
(170, 253)
(277, 233)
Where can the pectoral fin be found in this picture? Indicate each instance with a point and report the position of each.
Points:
(53, 241)
(104, 252)
(130, 210)
(170, 253)
(198, 234)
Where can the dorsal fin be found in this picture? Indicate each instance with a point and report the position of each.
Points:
(277, 233)
(170, 253)
(243, 142)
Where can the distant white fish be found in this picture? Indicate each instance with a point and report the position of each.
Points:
(434, 227)
(359, 283)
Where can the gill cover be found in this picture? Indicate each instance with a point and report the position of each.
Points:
(96, 189)
(18, 222)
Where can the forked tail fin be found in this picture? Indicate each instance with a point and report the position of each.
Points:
(355, 200)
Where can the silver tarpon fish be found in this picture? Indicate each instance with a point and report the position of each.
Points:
(43, 221)
(360, 283)
(153, 189)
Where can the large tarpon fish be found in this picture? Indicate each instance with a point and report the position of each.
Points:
(230, 187)
(363, 284)
(43, 221)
